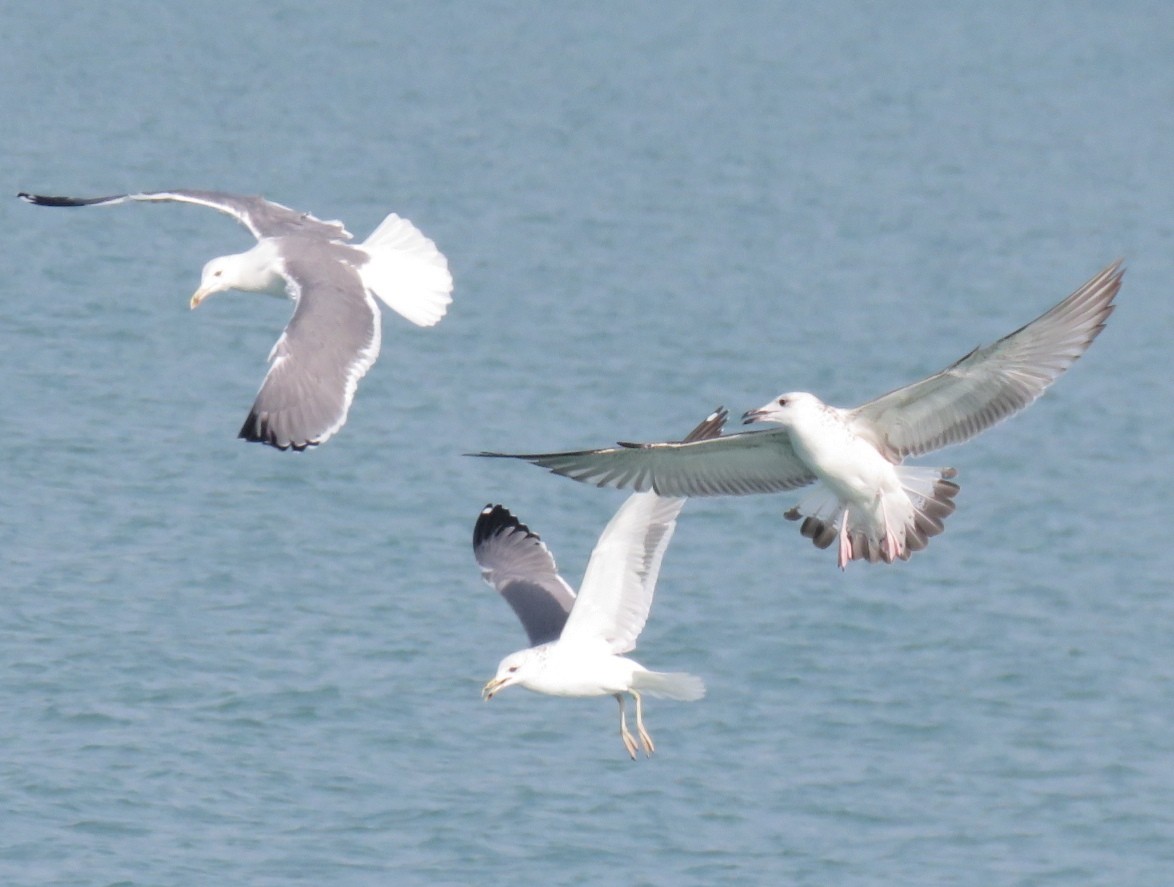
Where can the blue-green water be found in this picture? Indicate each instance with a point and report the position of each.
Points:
(221, 664)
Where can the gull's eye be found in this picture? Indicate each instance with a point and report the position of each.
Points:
(512, 669)
(782, 401)
(217, 273)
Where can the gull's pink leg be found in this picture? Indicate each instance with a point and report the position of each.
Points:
(845, 542)
(629, 742)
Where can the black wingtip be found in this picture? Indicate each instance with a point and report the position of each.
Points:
(494, 520)
(711, 426)
(47, 200)
(50, 200)
(257, 430)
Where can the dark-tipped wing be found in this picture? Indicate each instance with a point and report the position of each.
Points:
(328, 345)
(734, 465)
(520, 566)
(262, 217)
(709, 427)
(990, 383)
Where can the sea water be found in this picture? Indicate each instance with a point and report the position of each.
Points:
(222, 664)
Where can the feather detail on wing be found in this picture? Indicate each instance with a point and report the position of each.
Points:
(262, 217)
(517, 563)
(990, 383)
(732, 465)
(620, 579)
(312, 378)
(616, 593)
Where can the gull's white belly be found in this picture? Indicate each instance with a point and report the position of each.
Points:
(580, 672)
(850, 467)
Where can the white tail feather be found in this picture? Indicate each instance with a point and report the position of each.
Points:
(919, 481)
(406, 271)
(669, 685)
(821, 503)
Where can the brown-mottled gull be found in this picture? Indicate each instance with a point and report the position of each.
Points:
(876, 508)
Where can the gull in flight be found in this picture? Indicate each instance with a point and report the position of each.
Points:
(874, 507)
(333, 336)
(577, 643)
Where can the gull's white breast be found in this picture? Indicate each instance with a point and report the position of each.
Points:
(848, 465)
(582, 670)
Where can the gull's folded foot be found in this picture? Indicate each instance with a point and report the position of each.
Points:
(625, 736)
(629, 742)
(645, 739)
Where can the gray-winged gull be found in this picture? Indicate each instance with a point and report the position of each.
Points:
(334, 334)
(577, 642)
(875, 508)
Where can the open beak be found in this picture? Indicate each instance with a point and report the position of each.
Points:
(748, 417)
(492, 687)
(198, 296)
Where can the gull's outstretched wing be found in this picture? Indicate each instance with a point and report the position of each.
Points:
(520, 566)
(990, 383)
(328, 345)
(733, 465)
(617, 588)
(262, 217)
(620, 579)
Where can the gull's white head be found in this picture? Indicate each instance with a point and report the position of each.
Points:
(255, 271)
(219, 275)
(514, 669)
(785, 410)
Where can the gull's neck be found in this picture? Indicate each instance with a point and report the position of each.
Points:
(257, 270)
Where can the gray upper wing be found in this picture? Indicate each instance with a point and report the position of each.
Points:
(518, 564)
(733, 465)
(992, 382)
(328, 345)
(262, 217)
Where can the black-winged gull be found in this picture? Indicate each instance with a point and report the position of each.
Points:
(334, 334)
(875, 509)
(577, 642)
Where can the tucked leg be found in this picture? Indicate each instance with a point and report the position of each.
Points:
(649, 748)
(629, 742)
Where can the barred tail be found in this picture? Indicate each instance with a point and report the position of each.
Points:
(908, 523)
(931, 492)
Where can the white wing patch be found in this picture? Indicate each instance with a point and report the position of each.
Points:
(616, 593)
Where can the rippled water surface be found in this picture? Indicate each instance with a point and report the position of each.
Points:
(221, 664)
